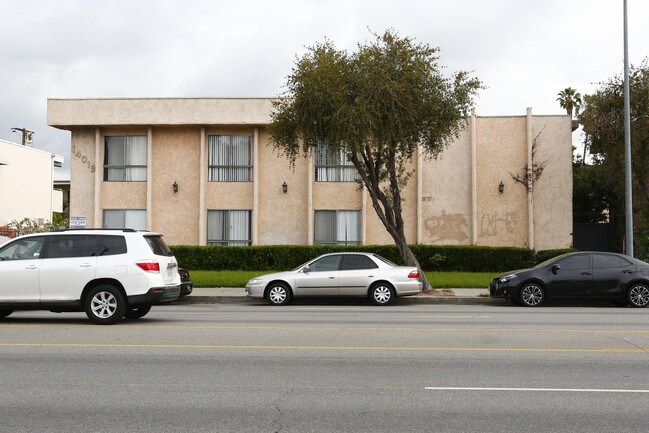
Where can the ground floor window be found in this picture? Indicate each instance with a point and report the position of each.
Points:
(337, 227)
(125, 218)
(228, 227)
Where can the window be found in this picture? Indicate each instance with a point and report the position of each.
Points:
(580, 261)
(63, 246)
(337, 227)
(228, 227)
(606, 261)
(229, 158)
(105, 245)
(327, 263)
(356, 261)
(23, 249)
(333, 166)
(125, 158)
(125, 218)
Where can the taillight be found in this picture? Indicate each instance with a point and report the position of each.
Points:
(413, 274)
(149, 266)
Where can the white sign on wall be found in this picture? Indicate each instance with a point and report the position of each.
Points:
(77, 222)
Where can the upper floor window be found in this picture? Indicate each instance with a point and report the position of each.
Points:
(337, 227)
(125, 218)
(228, 227)
(125, 158)
(333, 166)
(229, 158)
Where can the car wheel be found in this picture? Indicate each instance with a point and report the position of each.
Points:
(5, 313)
(278, 294)
(532, 295)
(105, 304)
(638, 296)
(382, 294)
(137, 311)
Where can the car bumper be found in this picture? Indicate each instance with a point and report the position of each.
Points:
(409, 288)
(156, 295)
(498, 289)
(255, 291)
(186, 289)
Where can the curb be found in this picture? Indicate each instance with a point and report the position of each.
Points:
(406, 300)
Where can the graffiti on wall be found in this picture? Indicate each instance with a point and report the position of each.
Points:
(491, 224)
(447, 226)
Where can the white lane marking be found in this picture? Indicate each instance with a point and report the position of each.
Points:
(452, 388)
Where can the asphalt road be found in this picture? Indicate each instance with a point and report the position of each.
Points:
(329, 367)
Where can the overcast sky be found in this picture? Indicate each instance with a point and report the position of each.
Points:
(525, 51)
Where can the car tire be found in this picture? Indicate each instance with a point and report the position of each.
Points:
(638, 295)
(278, 294)
(382, 294)
(5, 313)
(104, 304)
(531, 295)
(138, 311)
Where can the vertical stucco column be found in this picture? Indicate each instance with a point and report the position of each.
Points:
(98, 177)
(309, 199)
(474, 180)
(420, 189)
(530, 190)
(363, 216)
(202, 174)
(149, 179)
(255, 187)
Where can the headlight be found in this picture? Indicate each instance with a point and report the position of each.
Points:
(508, 278)
(255, 281)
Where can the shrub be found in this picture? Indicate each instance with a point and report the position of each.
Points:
(282, 257)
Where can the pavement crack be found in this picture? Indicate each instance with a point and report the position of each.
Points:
(277, 422)
(634, 345)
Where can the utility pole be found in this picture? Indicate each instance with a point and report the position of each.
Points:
(628, 196)
(27, 134)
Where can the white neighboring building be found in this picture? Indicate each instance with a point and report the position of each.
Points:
(27, 183)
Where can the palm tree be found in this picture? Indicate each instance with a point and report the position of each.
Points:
(570, 99)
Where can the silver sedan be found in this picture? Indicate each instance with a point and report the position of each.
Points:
(339, 274)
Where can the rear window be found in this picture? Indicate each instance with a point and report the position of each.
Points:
(158, 246)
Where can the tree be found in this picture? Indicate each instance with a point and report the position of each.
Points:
(380, 104)
(570, 100)
(603, 123)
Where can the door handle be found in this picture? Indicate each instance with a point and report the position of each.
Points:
(370, 276)
(586, 273)
(31, 267)
(85, 265)
(331, 278)
(627, 271)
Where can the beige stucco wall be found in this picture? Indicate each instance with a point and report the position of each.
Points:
(553, 191)
(455, 196)
(446, 194)
(26, 183)
(501, 150)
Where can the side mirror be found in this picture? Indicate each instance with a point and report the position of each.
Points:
(306, 269)
(555, 268)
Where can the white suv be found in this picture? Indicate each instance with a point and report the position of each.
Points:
(109, 274)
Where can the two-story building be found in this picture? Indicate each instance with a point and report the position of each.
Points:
(203, 171)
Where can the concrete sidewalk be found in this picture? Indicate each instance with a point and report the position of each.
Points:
(214, 295)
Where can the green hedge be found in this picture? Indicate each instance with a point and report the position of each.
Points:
(431, 257)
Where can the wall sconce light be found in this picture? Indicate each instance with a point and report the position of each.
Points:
(175, 187)
(285, 187)
(501, 187)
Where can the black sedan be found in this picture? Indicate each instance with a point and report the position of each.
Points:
(581, 275)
